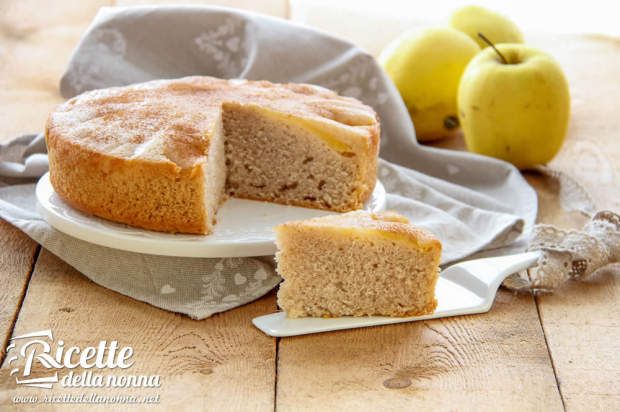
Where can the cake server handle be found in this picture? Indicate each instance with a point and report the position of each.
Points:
(483, 276)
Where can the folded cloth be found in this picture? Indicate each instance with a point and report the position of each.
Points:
(472, 203)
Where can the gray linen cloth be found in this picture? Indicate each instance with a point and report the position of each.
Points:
(472, 203)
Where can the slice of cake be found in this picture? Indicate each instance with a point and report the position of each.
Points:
(162, 155)
(356, 264)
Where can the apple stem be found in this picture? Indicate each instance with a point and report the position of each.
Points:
(490, 43)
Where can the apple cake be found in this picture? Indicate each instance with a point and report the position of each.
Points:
(356, 264)
(163, 155)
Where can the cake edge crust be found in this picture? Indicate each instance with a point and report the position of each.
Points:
(64, 158)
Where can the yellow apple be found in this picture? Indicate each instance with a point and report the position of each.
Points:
(472, 20)
(426, 66)
(518, 109)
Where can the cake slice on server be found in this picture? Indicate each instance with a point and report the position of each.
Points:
(357, 264)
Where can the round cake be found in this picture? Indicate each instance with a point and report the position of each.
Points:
(163, 155)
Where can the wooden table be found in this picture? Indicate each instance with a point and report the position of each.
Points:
(549, 352)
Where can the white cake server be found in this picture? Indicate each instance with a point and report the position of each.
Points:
(462, 289)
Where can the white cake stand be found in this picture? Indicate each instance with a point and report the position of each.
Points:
(244, 227)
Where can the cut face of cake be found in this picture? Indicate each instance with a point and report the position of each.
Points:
(292, 160)
(162, 155)
(356, 264)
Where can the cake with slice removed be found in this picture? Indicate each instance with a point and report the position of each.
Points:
(356, 264)
(164, 154)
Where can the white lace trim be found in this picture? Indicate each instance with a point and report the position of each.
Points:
(571, 254)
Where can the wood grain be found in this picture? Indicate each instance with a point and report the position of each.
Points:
(222, 363)
(582, 326)
(591, 153)
(496, 361)
(581, 321)
(17, 257)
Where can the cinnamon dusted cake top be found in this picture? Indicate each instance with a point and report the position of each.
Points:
(388, 223)
(172, 120)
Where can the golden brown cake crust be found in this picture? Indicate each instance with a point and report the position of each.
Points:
(385, 222)
(160, 132)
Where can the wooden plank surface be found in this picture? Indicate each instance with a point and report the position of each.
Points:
(35, 45)
(582, 321)
(591, 153)
(17, 257)
(222, 363)
(496, 361)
